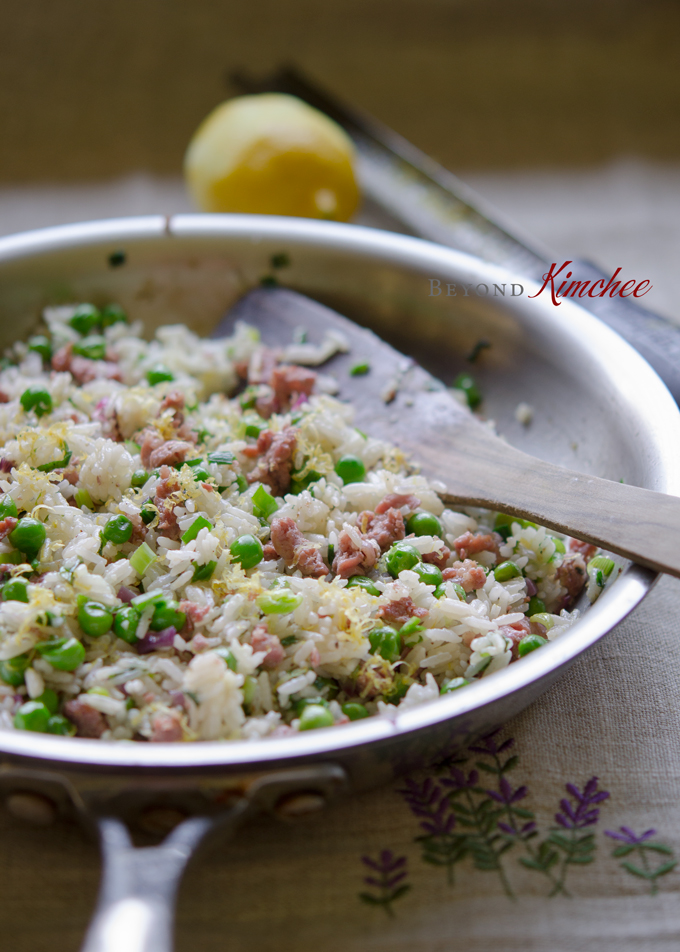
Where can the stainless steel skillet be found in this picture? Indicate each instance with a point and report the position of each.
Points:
(599, 409)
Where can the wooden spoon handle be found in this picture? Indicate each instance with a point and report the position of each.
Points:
(639, 524)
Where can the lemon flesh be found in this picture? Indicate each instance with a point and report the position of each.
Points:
(272, 154)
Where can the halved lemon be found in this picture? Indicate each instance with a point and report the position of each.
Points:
(272, 154)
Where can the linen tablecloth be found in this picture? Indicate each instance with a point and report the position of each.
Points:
(594, 763)
(560, 833)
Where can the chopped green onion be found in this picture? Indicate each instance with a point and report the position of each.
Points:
(506, 571)
(358, 370)
(142, 558)
(467, 384)
(264, 505)
(543, 618)
(559, 546)
(226, 655)
(200, 522)
(154, 597)
(159, 373)
(361, 581)
(83, 498)
(37, 399)
(530, 643)
(41, 345)
(241, 483)
(278, 602)
(93, 346)
(602, 563)
(221, 457)
(412, 627)
(203, 572)
(57, 463)
(452, 685)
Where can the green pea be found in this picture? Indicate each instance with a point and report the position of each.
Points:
(113, 314)
(13, 670)
(360, 581)
(95, 619)
(543, 618)
(32, 716)
(467, 384)
(159, 373)
(60, 725)
(401, 557)
(530, 643)
(354, 710)
(139, 478)
(350, 469)
(457, 587)
(63, 654)
(303, 702)
(167, 615)
(453, 685)
(505, 571)
(93, 346)
(423, 523)
(315, 716)
(203, 572)
(7, 507)
(536, 606)
(117, 530)
(247, 550)
(41, 345)
(85, 318)
(428, 573)
(49, 699)
(28, 537)
(278, 602)
(126, 623)
(15, 591)
(386, 642)
(37, 399)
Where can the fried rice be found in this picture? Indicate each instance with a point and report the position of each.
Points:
(222, 555)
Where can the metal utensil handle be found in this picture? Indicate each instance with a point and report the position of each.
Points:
(135, 912)
(136, 907)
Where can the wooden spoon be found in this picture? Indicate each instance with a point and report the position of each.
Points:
(452, 446)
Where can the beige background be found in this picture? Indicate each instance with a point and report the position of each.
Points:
(90, 89)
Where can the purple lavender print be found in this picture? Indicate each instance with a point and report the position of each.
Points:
(630, 843)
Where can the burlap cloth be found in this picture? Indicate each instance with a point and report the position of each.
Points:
(423, 864)
(615, 716)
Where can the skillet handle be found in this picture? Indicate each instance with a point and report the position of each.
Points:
(135, 911)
